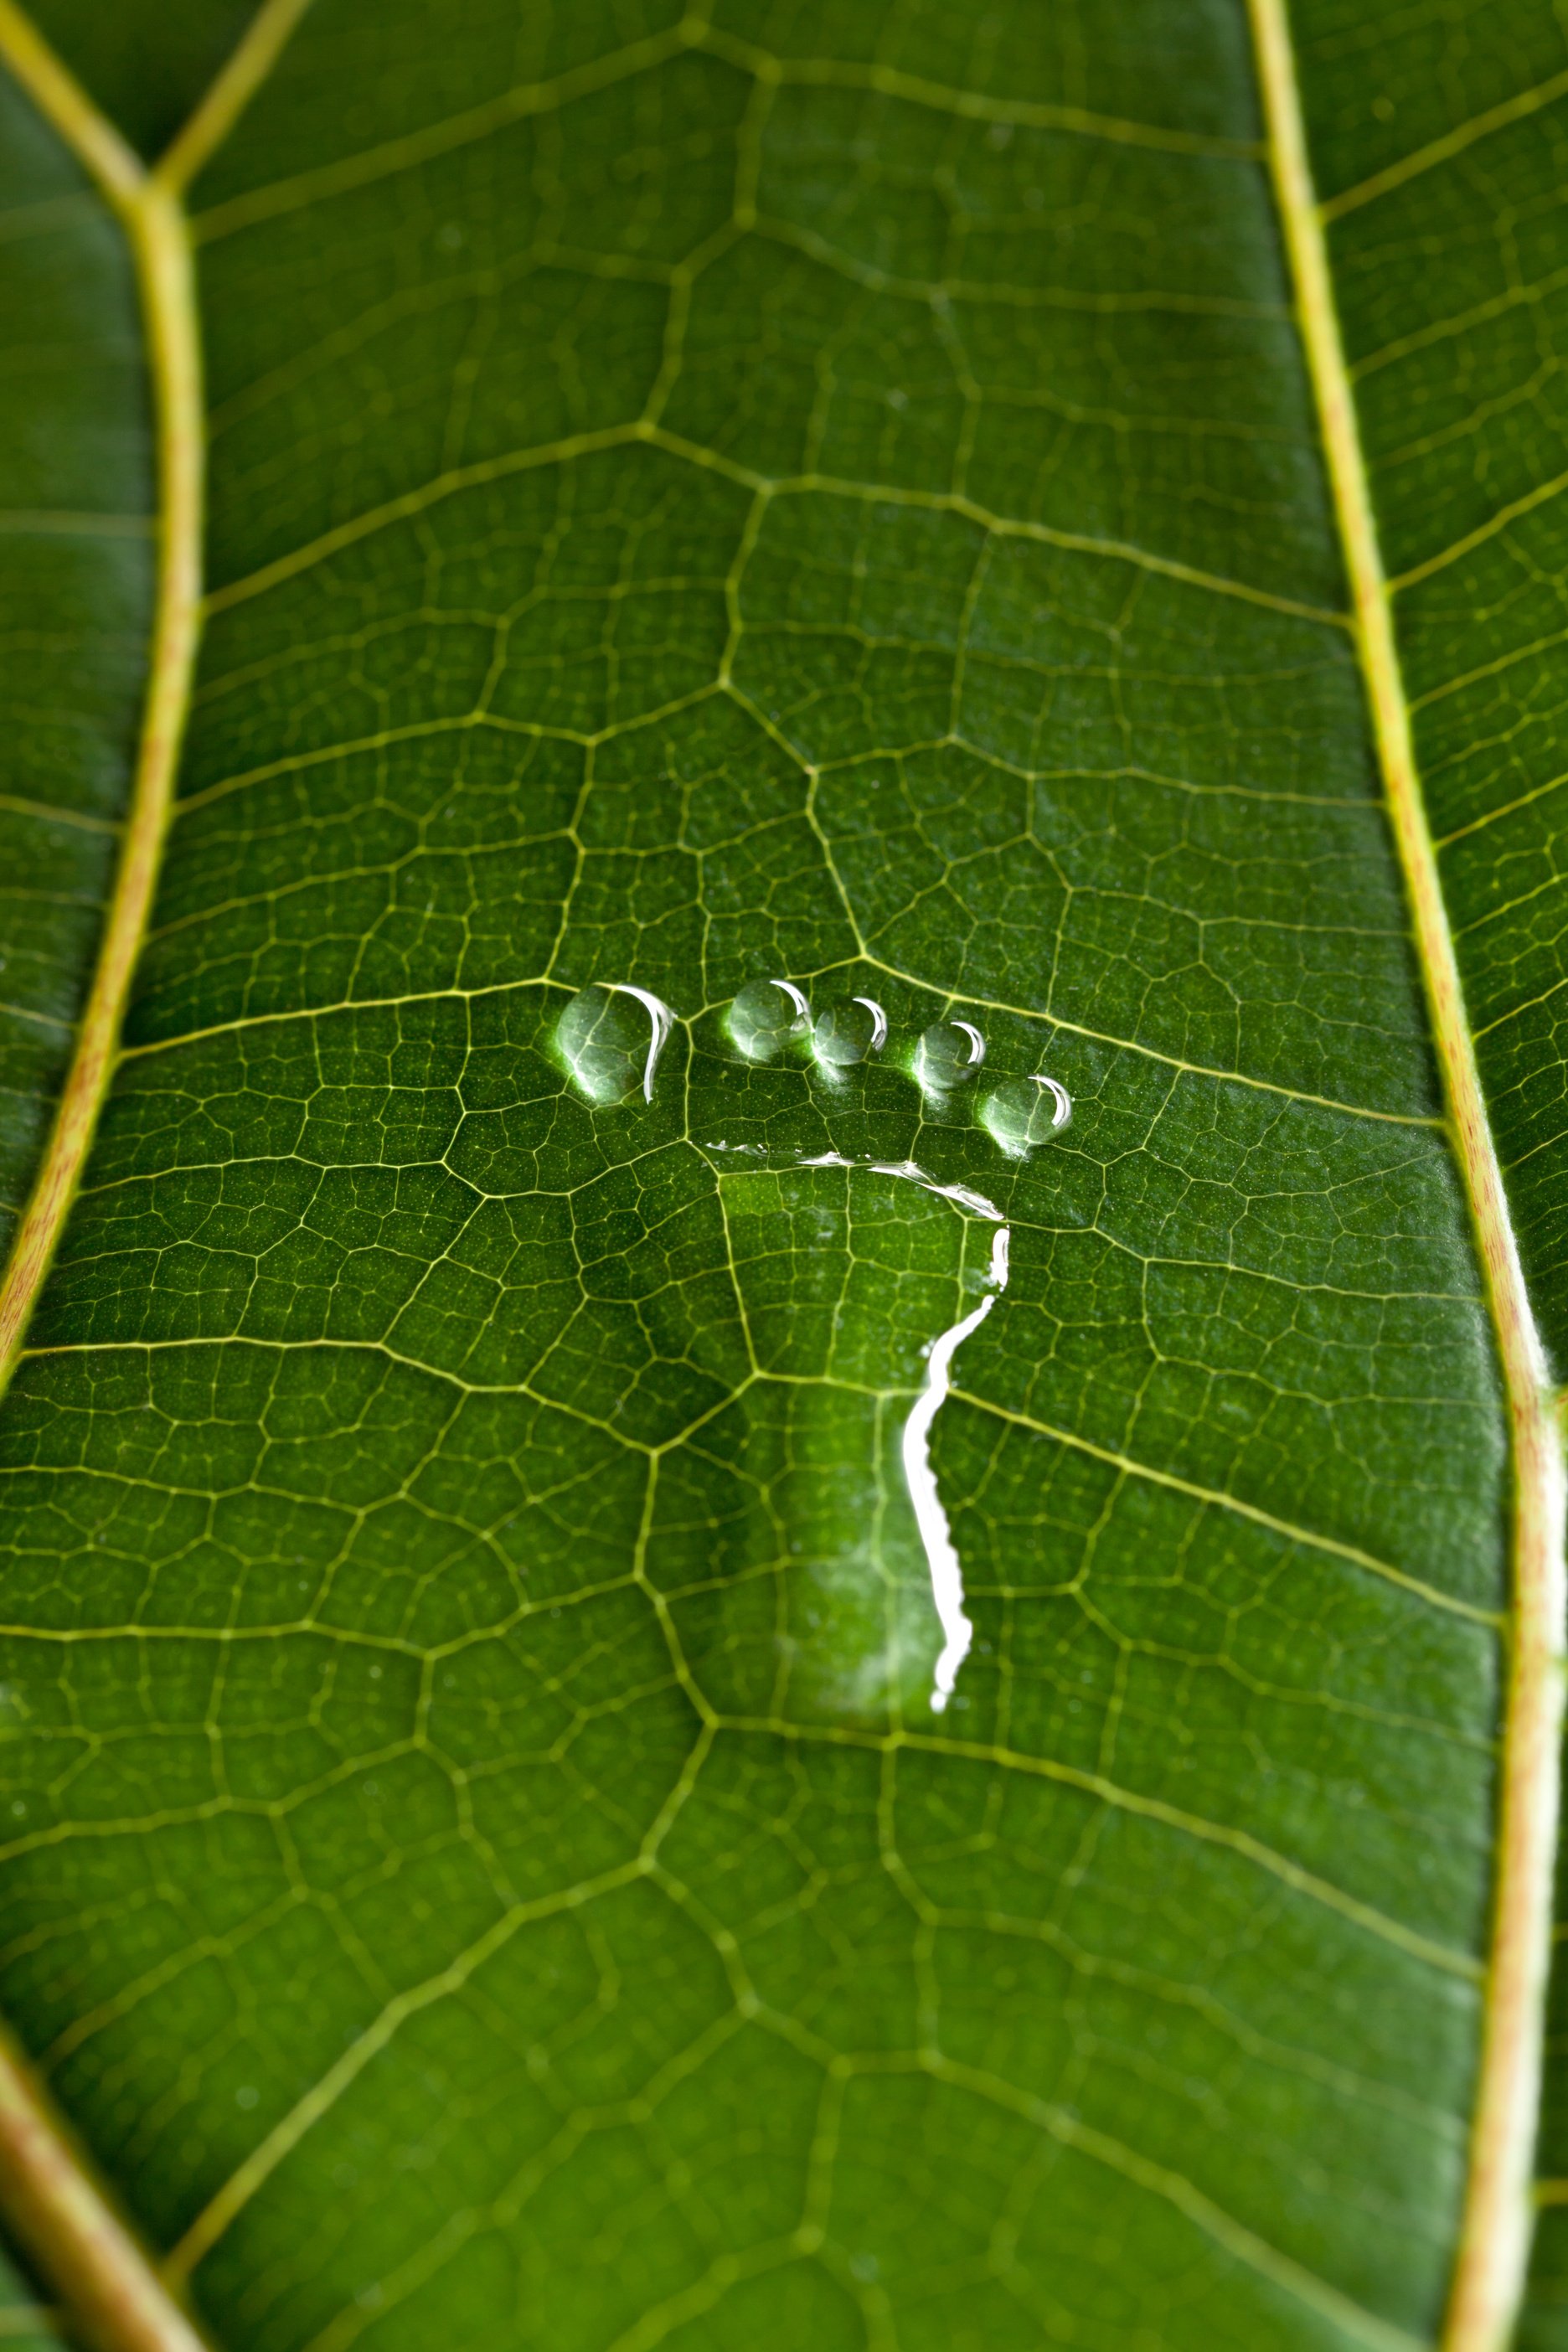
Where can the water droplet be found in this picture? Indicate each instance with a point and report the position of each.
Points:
(765, 1015)
(1025, 1112)
(611, 1037)
(849, 1031)
(947, 1055)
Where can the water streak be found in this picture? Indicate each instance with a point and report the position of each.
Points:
(908, 1170)
(945, 1566)
(936, 1533)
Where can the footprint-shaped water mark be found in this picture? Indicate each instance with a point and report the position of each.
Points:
(845, 1634)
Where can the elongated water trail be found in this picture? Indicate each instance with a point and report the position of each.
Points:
(936, 1535)
(946, 1569)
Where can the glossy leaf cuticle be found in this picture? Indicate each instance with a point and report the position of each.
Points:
(699, 496)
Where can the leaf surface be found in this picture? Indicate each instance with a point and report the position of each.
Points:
(76, 508)
(831, 495)
(26, 2323)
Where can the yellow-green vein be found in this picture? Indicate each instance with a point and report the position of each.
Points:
(156, 233)
(1494, 2239)
(112, 2295)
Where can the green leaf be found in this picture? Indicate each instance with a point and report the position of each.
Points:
(147, 69)
(843, 496)
(26, 2323)
(76, 503)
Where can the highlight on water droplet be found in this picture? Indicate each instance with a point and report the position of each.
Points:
(848, 1032)
(765, 1015)
(611, 1037)
(1025, 1112)
(947, 1055)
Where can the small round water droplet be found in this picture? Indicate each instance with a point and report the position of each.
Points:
(947, 1055)
(611, 1037)
(1025, 1112)
(765, 1015)
(849, 1031)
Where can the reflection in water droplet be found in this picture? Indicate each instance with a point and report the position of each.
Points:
(612, 1035)
(849, 1031)
(765, 1015)
(1025, 1112)
(947, 1055)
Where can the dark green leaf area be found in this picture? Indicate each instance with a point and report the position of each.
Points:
(146, 67)
(483, 1817)
(75, 490)
(1468, 441)
(1455, 308)
(1215, 919)
(1381, 87)
(27, 2321)
(386, 1611)
(769, 214)
(323, 886)
(1543, 2326)
(352, 85)
(782, 221)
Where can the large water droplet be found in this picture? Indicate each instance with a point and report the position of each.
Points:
(765, 1015)
(849, 1031)
(610, 1035)
(1025, 1112)
(947, 1055)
